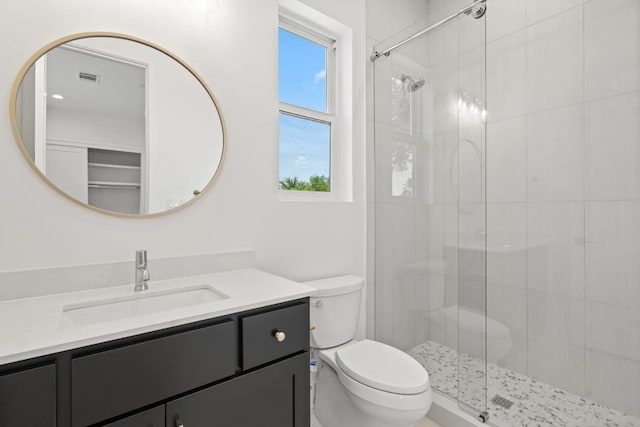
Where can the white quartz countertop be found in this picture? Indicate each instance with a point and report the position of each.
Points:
(33, 327)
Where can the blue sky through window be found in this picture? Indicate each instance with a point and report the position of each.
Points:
(304, 147)
(304, 144)
(302, 75)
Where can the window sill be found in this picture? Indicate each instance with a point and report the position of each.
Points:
(310, 196)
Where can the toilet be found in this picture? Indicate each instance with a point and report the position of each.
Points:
(360, 383)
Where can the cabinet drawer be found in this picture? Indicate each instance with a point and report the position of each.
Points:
(27, 398)
(153, 417)
(259, 344)
(113, 382)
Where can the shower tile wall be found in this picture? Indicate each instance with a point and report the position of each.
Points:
(563, 192)
(563, 162)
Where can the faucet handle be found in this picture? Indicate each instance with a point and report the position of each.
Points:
(141, 257)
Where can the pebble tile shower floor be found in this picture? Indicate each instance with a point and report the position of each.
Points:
(534, 403)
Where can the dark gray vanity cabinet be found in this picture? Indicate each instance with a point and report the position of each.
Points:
(28, 397)
(242, 370)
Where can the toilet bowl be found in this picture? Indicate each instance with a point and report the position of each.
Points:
(360, 383)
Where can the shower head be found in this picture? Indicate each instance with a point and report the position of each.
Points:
(416, 85)
(412, 84)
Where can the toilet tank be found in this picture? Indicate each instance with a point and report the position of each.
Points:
(335, 310)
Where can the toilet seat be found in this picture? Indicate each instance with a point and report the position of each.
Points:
(382, 367)
(397, 401)
(400, 402)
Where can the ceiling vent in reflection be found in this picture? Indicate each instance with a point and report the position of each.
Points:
(88, 77)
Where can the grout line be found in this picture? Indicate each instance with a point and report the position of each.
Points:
(573, 104)
(613, 95)
(526, 26)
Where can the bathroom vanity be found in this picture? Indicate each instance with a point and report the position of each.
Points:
(205, 364)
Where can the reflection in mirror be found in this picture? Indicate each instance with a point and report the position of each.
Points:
(118, 125)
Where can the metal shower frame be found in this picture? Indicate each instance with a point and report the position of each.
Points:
(475, 8)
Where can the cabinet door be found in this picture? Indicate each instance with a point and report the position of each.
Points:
(66, 167)
(27, 398)
(277, 395)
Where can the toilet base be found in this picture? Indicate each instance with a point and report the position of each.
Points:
(337, 407)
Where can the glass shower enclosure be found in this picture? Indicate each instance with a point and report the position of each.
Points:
(507, 206)
(430, 218)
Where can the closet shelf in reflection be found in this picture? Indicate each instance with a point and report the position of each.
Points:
(114, 166)
(107, 184)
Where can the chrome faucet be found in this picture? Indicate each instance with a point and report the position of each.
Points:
(142, 274)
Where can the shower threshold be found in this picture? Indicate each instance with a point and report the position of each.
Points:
(534, 403)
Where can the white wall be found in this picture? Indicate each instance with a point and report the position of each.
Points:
(89, 127)
(235, 51)
(300, 227)
(185, 135)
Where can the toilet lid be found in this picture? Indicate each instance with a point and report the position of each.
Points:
(383, 367)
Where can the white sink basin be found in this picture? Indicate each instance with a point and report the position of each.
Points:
(140, 304)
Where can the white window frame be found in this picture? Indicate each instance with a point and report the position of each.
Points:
(309, 24)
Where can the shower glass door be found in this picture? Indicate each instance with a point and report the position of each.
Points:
(430, 288)
(470, 189)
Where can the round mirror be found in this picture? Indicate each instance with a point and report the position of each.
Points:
(117, 124)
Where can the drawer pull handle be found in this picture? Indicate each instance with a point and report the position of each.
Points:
(179, 423)
(280, 336)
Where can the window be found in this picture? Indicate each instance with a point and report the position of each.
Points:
(307, 119)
